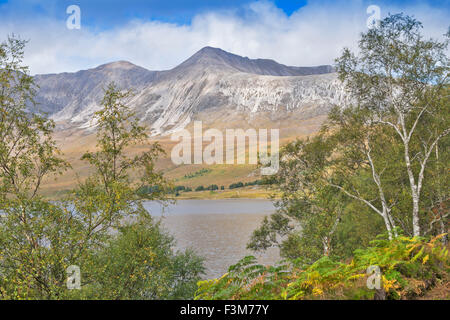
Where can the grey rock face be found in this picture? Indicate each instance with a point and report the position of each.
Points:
(212, 78)
(75, 95)
(220, 59)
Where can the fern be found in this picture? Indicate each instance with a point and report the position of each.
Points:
(406, 265)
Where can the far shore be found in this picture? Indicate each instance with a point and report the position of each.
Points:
(239, 193)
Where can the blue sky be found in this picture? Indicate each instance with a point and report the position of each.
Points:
(111, 13)
(103, 14)
(160, 34)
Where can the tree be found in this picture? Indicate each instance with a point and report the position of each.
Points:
(27, 151)
(364, 165)
(138, 262)
(30, 227)
(381, 152)
(401, 81)
(311, 214)
(111, 193)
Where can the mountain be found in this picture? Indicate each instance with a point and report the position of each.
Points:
(74, 95)
(214, 58)
(212, 85)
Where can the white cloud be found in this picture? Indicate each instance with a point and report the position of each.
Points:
(313, 35)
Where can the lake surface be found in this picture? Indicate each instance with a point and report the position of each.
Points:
(218, 230)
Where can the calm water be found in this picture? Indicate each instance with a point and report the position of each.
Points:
(218, 230)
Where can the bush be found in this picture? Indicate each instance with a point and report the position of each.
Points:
(140, 263)
(236, 185)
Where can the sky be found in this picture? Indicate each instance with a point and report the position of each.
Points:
(158, 35)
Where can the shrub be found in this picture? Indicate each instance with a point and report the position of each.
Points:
(236, 185)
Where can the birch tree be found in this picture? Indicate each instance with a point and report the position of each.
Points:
(363, 163)
(399, 77)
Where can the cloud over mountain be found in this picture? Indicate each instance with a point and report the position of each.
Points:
(313, 35)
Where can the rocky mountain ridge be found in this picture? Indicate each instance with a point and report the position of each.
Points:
(211, 80)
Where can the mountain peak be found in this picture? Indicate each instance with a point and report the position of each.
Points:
(209, 50)
(122, 64)
(210, 57)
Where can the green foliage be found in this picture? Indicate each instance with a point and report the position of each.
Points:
(35, 252)
(245, 280)
(118, 129)
(139, 263)
(313, 216)
(30, 228)
(409, 266)
(27, 150)
(398, 82)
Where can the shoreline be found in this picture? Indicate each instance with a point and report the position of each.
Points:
(250, 194)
